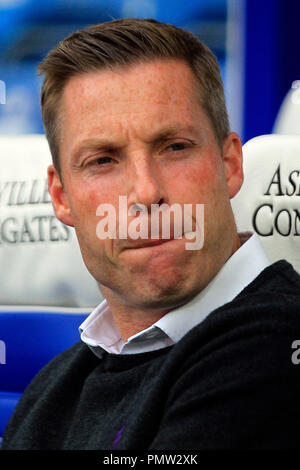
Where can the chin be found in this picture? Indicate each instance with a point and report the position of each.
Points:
(163, 296)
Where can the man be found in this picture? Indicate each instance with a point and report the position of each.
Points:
(191, 348)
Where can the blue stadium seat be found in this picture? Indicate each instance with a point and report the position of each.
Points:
(29, 340)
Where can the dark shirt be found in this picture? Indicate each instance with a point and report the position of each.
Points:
(229, 383)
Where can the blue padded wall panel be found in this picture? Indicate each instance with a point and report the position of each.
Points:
(31, 340)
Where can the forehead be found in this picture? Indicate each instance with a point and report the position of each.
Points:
(161, 81)
(140, 97)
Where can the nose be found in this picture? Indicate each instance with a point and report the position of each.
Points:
(143, 181)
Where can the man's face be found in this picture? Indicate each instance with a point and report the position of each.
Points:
(140, 132)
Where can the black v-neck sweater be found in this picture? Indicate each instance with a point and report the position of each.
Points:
(229, 383)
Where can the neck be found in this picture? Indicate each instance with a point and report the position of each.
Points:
(237, 244)
(129, 319)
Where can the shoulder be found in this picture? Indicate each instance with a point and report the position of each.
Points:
(258, 326)
(75, 361)
(279, 277)
(272, 300)
(62, 373)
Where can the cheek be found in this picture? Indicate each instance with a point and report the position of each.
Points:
(196, 182)
(86, 196)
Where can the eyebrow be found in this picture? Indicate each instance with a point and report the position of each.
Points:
(171, 131)
(165, 133)
(93, 143)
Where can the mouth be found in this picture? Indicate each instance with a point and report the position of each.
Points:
(151, 243)
(136, 244)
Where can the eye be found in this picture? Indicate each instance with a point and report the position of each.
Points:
(177, 146)
(103, 160)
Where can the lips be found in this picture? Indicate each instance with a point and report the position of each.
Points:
(147, 243)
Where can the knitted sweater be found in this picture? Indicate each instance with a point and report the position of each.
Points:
(229, 383)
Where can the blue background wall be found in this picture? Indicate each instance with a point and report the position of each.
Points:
(268, 38)
(30, 28)
(272, 60)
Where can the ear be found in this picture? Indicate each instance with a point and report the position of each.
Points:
(233, 163)
(59, 197)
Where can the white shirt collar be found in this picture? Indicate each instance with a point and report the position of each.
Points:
(100, 331)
